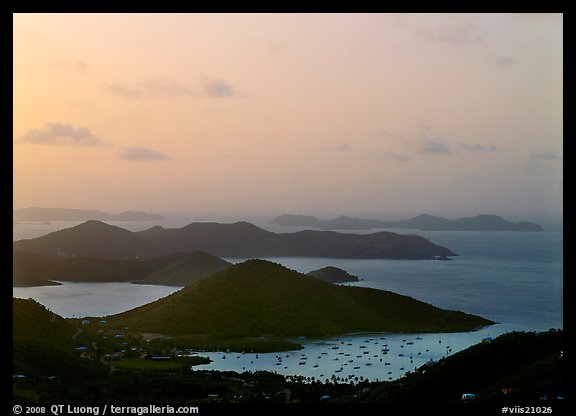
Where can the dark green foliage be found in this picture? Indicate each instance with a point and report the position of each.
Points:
(32, 320)
(485, 369)
(525, 362)
(91, 238)
(332, 274)
(175, 269)
(258, 298)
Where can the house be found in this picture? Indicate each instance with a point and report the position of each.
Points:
(468, 396)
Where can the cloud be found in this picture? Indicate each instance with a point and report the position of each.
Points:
(342, 147)
(218, 89)
(387, 134)
(61, 134)
(424, 126)
(455, 33)
(141, 154)
(125, 90)
(477, 147)
(435, 145)
(151, 88)
(74, 65)
(503, 61)
(388, 156)
(160, 87)
(545, 154)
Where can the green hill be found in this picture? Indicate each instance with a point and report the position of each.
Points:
(32, 320)
(258, 297)
(333, 274)
(91, 238)
(180, 269)
(29, 269)
(44, 343)
(528, 365)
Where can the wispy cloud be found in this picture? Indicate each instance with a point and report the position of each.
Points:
(61, 134)
(435, 145)
(151, 88)
(545, 154)
(456, 33)
(503, 61)
(342, 147)
(218, 88)
(141, 154)
(74, 65)
(424, 126)
(388, 155)
(125, 90)
(160, 87)
(477, 147)
(387, 134)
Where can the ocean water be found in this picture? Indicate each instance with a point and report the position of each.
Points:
(512, 278)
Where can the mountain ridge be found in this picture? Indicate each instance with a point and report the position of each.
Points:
(424, 222)
(236, 240)
(71, 214)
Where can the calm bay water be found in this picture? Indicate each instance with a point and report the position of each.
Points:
(513, 278)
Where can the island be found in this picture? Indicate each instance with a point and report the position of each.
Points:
(39, 214)
(240, 240)
(333, 274)
(425, 222)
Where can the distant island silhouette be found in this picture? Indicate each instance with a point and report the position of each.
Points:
(237, 240)
(66, 214)
(423, 222)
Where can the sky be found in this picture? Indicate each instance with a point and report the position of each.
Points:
(239, 115)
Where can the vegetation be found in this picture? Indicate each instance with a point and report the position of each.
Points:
(239, 240)
(332, 274)
(91, 238)
(259, 298)
(515, 368)
(179, 269)
(518, 367)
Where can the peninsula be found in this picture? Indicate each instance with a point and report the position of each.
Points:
(260, 298)
(238, 240)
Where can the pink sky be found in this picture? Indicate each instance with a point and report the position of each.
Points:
(323, 114)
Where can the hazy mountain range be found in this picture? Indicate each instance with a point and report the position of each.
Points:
(422, 222)
(65, 214)
(238, 240)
